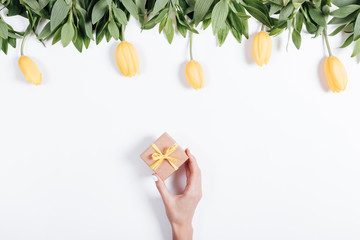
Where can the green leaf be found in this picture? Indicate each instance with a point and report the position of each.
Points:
(200, 10)
(237, 35)
(235, 22)
(113, 30)
(317, 16)
(86, 42)
(286, 12)
(4, 46)
(4, 30)
(169, 30)
(296, 38)
(357, 28)
(182, 30)
(219, 15)
(297, 3)
(345, 11)
(336, 20)
(67, 33)
(348, 41)
(222, 34)
(57, 36)
(85, 24)
(162, 24)
(78, 43)
(356, 50)
(155, 20)
(58, 13)
(337, 30)
(32, 4)
(131, 7)
(206, 23)
(299, 21)
(274, 8)
(12, 42)
(46, 32)
(99, 10)
(341, 3)
(253, 7)
(120, 16)
(159, 4)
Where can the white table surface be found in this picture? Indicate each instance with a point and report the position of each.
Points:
(279, 153)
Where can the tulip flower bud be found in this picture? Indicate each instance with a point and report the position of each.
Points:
(127, 59)
(30, 70)
(335, 74)
(195, 74)
(262, 48)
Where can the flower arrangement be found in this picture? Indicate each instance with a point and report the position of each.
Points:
(83, 21)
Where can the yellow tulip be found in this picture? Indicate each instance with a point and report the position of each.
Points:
(195, 74)
(262, 48)
(30, 70)
(127, 59)
(335, 74)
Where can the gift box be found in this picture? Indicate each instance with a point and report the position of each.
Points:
(164, 156)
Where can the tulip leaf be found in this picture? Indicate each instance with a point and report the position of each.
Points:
(4, 46)
(131, 7)
(317, 16)
(356, 50)
(345, 11)
(169, 30)
(67, 33)
(258, 11)
(113, 29)
(99, 10)
(342, 3)
(219, 15)
(120, 16)
(296, 38)
(222, 34)
(237, 35)
(357, 28)
(4, 30)
(78, 43)
(159, 4)
(57, 36)
(155, 20)
(337, 30)
(200, 9)
(348, 41)
(46, 32)
(181, 29)
(59, 12)
(286, 12)
(32, 4)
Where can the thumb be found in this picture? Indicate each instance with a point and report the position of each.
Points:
(163, 190)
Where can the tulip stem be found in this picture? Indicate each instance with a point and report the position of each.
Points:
(191, 38)
(122, 33)
(23, 44)
(327, 42)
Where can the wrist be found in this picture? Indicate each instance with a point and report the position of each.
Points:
(182, 231)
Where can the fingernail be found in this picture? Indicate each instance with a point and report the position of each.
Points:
(155, 178)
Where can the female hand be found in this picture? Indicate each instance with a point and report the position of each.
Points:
(180, 208)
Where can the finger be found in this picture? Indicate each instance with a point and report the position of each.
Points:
(194, 168)
(163, 190)
(193, 183)
(187, 170)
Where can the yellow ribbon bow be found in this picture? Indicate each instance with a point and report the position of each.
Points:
(159, 157)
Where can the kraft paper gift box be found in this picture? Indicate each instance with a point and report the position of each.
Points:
(164, 156)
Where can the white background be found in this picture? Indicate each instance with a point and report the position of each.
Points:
(279, 152)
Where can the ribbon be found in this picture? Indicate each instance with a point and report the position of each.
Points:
(159, 157)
